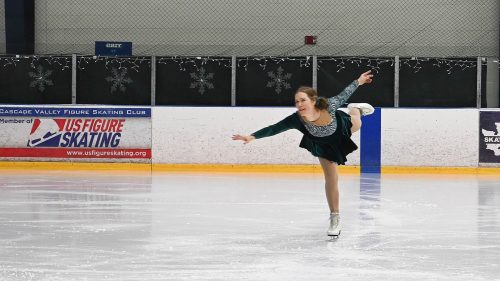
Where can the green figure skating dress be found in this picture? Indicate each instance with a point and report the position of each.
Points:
(332, 141)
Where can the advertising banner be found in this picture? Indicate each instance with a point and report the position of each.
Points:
(489, 137)
(70, 133)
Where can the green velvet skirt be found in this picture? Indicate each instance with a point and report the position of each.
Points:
(334, 147)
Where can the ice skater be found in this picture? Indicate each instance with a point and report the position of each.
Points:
(327, 134)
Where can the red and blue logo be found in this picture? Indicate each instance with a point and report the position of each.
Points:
(76, 132)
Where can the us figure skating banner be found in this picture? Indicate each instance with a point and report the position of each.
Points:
(489, 137)
(75, 133)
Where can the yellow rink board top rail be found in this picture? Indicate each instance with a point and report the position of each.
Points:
(236, 168)
(73, 166)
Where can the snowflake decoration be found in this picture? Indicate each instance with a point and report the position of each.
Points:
(119, 79)
(40, 78)
(279, 80)
(201, 80)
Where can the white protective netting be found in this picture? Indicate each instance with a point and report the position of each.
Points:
(423, 28)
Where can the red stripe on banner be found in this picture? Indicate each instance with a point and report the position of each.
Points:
(75, 153)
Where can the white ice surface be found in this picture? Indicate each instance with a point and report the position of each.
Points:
(126, 226)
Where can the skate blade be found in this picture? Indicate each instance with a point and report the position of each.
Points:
(333, 237)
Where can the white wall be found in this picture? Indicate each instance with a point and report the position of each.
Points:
(410, 137)
(203, 135)
(430, 137)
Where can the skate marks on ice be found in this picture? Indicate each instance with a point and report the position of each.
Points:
(246, 227)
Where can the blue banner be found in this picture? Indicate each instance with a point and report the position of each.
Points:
(75, 111)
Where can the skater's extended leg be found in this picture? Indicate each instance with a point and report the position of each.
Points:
(356, 110)
(355, 119)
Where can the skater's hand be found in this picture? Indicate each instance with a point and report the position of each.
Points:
(365, 78)
(245, 139)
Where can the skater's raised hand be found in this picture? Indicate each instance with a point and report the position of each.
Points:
(366, 77)
(245, 139)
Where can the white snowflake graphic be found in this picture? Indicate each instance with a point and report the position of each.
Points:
(40, 79)
(279, 80)
(201, 80)
(119, 79)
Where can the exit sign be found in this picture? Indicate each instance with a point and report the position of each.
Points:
(106, 48)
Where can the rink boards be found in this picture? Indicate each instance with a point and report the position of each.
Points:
(201, 136)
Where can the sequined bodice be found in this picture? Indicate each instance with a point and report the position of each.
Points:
(322, 131)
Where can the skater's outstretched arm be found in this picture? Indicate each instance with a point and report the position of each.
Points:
(288, 123)
(338, 100)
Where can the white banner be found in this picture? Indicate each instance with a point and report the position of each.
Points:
(70, 133)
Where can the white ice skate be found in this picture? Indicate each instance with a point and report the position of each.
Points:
(334, 229)
(364, 108)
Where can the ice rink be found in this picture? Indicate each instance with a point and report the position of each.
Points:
(179, 226)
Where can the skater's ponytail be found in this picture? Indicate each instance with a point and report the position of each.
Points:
(321, 102)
